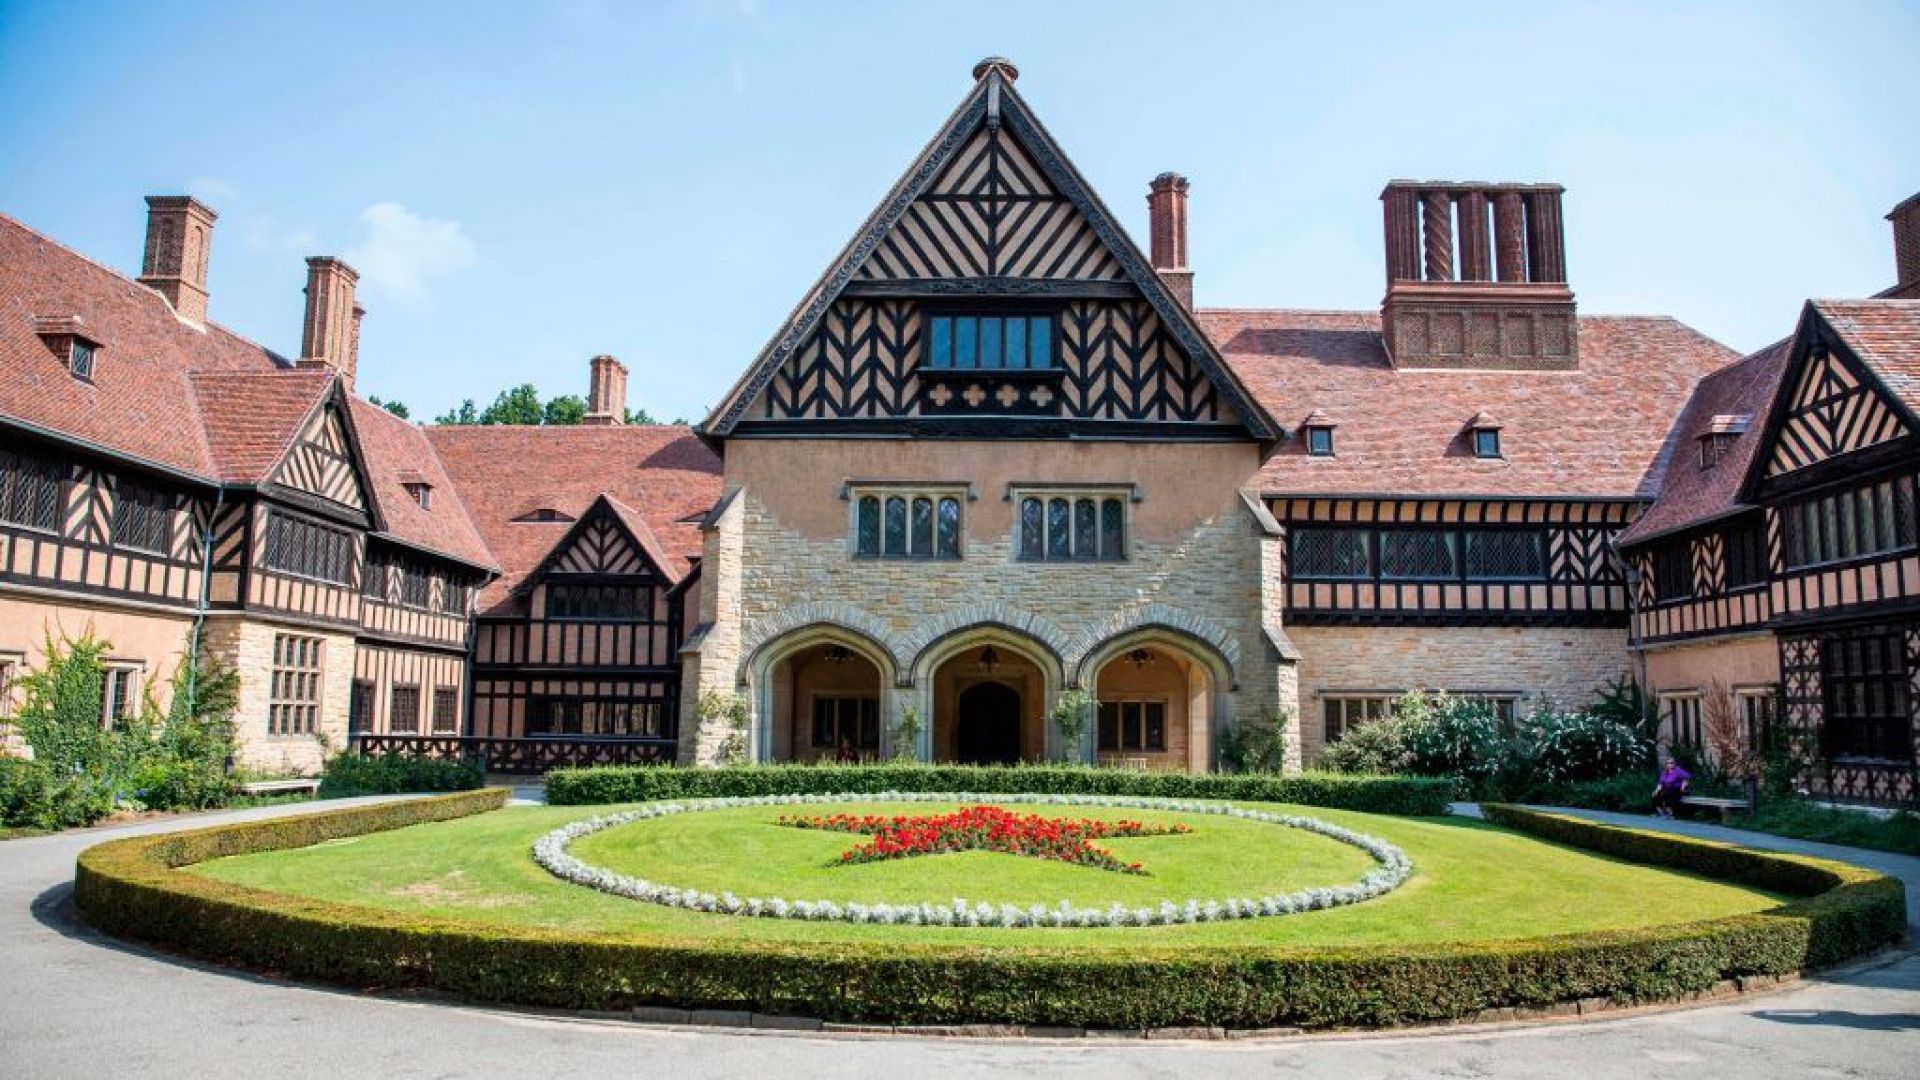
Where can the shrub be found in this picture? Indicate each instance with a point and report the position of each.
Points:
(1574, 747)
(129, 887)
(33, 796)
(1449, 736)
(1257, 745)
(644, 783)
(353, 773)
(1376, 747)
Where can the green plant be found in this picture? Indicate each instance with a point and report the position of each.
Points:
(1070, 716)
(906, 735)
(352, 773)
(642, 783)
(731, 712)
(193, 748)
(1261, 745)
(131, 888)
(1623, 702)
(1583, 746)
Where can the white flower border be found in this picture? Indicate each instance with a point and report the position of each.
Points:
(550, 851)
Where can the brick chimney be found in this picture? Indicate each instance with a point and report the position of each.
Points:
(1167, 217)
(1477, 277)
(330, 336)
(1906, 250)
(606, 391)
(179, 233)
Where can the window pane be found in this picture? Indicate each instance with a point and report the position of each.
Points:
(1040, 342)
(896, 535)
(1113, 529)
(823, 722)
(1109, 726)
(1505, 554)
(1331, 553)
(1033, 530)
(948, 546)
(1416, 554)
(867, 533)
(1319, 441)
(1129, 725)
(965, 343)
(1059, 532)
(941, 349)
(991, 337)
(1016, 353)
(1156, 721)
(923, 526)
(1086, 526)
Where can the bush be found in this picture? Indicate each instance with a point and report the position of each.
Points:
(644, 783)
(1257, 745)
(1584, 746)
(1449, 736)
(129, 887)
(352, 773)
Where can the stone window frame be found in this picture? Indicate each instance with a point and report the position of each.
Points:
(1682, 705)
(13, 663)
(120, 686)
(1126, 493)
(853, 492)
(296, 684)
(1755, 702)
(1344, 702)
(844, 699)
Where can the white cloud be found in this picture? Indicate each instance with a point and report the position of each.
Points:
(402, 254)
(262, 234)
(210, 189)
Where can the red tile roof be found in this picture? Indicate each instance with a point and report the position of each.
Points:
(140, 402)
(396, 454)
(1885, 335)
(664, 472)
(1596, 432)
(250, 419)
(1689, 494)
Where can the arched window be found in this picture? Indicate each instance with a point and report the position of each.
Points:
(1081, 528)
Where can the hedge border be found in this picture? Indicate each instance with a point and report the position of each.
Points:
(1417, 796)
(128, 888)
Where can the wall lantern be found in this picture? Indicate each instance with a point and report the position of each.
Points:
(989, 659)
(838, 654)
(1140, 658)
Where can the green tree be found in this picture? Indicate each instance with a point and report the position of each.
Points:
(520, 405)
(397, 408)
(640, 416)
(567, 409)
(465, 415)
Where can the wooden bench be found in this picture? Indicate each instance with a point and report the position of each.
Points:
(1708, 802)
(281, 787)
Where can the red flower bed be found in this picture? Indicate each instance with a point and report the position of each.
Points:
(984, 828)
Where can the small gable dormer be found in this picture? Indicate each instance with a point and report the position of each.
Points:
(1317, 432)
(67, 338)
(1483, 435)
(1719, 437)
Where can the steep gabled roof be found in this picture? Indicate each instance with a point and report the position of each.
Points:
(1885, 336)
(1689, 494)
(140, 403)
(662, 474)
(992, 100)
(396, 453)
(1594, 432)
(251, 418)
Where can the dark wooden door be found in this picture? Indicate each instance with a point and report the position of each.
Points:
(989, 732)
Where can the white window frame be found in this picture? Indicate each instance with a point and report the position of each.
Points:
(1666, 701)
(296, 688)
(132, 673)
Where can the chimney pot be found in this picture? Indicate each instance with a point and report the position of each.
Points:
(1906, 249)
(606, 391)
(179, 234)
(330, 336)
(1167, 234)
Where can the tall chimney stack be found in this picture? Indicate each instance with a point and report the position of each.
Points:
(179, 233)
(330, 336)
(606, 391)
(1906, 250)
(1167, 217)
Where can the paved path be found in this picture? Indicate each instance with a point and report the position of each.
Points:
(75, 1005)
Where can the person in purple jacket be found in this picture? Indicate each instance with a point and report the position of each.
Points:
(1672, 784)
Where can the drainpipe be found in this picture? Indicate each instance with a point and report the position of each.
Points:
(200, 609)
(1630, 575)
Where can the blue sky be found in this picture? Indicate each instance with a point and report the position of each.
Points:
(524, 185)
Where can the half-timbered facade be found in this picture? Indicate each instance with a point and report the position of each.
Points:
(996, 454)
(1779, 573)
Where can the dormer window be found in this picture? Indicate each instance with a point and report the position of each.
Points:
(1318, 430)
(1721, 431)
(66, 337)
(1484, 430)
(542, 515)
(422, 494)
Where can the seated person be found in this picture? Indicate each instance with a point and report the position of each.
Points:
(1671, 786)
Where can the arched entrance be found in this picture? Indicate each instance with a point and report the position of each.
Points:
(987, 728)
(1157, 702)
(822, 700)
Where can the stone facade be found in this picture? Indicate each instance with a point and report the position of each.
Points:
(1566, 666)
(248, 645)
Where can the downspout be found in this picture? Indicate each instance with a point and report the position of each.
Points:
(1636, 649)
(200, 609)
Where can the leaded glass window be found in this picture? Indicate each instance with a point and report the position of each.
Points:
(141, 517)
(1417, 555)
(29, 490)
(907, 526)
(1332, 553)
(1059, 529)
(1078, 528)
(867, 527)
(1506, 554)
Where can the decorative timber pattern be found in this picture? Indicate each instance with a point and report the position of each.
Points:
(1711, 608)
(1892, 782)
(991, 214)
(860, 363)
(600, 547)
(523, 756)
(1835, 411)
(321, 463)
(1578, 583)
(78, 551)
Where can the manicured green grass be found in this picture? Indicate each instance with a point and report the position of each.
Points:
(1472, 881)
(1898, 833)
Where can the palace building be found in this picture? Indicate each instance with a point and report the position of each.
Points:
(996, 454)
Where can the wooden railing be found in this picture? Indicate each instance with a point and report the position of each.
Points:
(533, 755)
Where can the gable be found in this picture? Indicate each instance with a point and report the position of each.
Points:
(992, 213)
(1834, 408)
(320, 462)
(991, 223)
(599, 546)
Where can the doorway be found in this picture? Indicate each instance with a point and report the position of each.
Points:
(989, 728)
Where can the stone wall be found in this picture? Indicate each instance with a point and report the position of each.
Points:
(1566, 666)
(248, 645)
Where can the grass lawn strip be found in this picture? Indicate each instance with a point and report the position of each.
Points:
(550, 851)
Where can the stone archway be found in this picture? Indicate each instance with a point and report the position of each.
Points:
(1160, 700)
(974, 656)
(819, 692)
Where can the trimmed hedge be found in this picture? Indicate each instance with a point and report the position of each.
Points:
(129, 887)
(1400, 795)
